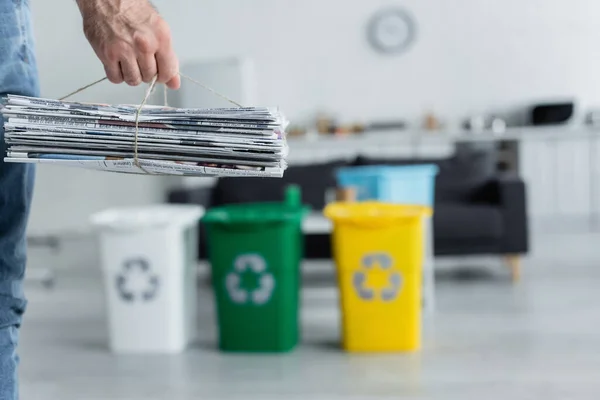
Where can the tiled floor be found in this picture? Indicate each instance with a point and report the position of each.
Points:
(491, 340)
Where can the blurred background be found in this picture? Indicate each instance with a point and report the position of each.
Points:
(501, 96)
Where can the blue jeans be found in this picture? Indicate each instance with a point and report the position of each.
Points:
(18, 75)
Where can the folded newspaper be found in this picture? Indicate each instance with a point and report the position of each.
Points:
(173, 141)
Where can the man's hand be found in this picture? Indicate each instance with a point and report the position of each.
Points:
(132, 41)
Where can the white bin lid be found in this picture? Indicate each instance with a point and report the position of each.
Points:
(151, 216)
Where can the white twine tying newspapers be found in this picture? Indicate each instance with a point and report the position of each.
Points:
(151, 86)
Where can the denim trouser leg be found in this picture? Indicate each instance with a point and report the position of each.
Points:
(18, 75)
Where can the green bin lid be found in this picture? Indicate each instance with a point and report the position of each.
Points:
(255, 213)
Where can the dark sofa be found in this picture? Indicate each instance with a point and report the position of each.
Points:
(477, 211)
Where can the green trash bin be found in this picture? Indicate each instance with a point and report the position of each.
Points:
(255, 251)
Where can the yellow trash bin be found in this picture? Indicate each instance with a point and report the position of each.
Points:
(378, 250)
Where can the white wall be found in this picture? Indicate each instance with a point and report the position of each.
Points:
(470, 56)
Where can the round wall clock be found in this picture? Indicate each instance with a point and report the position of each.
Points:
(391, 30)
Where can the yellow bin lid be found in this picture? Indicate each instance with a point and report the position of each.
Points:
(373, 212)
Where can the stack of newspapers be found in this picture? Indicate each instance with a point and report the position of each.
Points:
(173, 141)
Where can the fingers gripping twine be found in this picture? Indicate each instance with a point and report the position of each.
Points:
(143, 103)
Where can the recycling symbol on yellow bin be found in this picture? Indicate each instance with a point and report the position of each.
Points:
(256, 264)
(394, 280)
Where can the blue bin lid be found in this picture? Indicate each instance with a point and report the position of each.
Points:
(395, 170)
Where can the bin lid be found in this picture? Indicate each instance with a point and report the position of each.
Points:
(255, 213)
(374, 211)
(140, 217)
(389, 170)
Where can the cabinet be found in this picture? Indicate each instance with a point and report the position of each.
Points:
(561, 172)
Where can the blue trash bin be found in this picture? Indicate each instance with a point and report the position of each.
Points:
(405, 184)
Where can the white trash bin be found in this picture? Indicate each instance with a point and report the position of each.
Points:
(149, 259)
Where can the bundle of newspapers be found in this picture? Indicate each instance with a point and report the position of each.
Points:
(169, 141)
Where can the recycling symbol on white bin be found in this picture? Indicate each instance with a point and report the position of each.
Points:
(266, 282)
(137, 280)
(385, 262)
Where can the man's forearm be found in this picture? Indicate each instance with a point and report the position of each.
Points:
(109, 8)
(103, 6)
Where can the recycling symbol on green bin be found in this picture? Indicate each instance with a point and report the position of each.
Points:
(394, 281)
(136, 280)
(251, 267)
